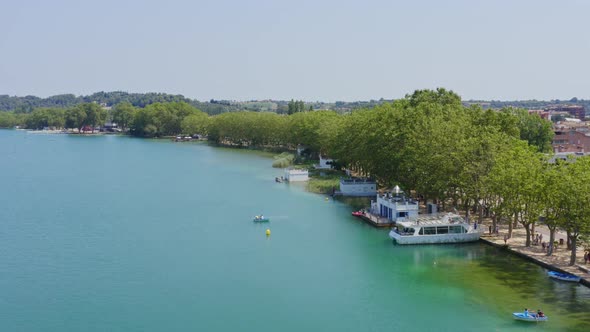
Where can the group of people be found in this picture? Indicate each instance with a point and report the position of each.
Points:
(538, 314)
(538, 239)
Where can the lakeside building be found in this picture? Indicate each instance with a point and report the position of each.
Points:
(395, 206)
(296, 175)
(360, 187)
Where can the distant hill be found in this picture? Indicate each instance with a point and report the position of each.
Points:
(28, 103)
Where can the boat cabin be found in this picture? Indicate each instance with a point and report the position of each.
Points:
(449, 228)
(395, 206)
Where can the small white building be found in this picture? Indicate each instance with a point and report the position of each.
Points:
(296, 175)
(325, 163)
(395, 206)
(358, 187)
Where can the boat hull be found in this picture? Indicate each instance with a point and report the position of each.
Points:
(528, 318)
(434, 239)
(563, 276)
(261, 219)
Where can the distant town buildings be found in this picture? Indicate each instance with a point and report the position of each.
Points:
(571, 137)
(577, 111)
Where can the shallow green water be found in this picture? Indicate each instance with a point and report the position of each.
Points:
(122, 234)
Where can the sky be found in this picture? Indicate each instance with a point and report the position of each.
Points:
(310, 50)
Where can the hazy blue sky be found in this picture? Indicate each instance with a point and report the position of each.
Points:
(310, 50)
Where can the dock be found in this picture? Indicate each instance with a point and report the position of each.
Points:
(376, 221)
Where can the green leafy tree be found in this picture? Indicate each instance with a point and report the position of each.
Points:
(576, 221)
(536, 131)
(7, 120)
(195, 124)
(75, 118)
(122, 114)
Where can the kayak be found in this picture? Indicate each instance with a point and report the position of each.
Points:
(529, 317)
(563, 276)
(357, 213)
(260, 219)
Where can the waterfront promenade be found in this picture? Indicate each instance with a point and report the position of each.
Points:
(558, 261)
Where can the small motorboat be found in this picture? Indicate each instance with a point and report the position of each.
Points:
(260, 218)
(563, 276)
(529, 317)
(357, 213)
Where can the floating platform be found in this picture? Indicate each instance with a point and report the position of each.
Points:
(374, 220)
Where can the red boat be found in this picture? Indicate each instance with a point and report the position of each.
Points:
(358, 213)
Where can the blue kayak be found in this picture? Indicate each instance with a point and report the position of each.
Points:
(563, 276)
(530, 317)
(260, 219)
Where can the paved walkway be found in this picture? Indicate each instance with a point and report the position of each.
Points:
(560, 258)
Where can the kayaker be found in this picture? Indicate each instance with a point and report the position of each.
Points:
(540, 313)
(526, 312)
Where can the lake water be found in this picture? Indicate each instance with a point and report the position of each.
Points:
(121, 234)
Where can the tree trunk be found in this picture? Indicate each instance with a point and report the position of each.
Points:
(527, 227)
(551, 240)
(573, 240)
(480, 218)
(569, 241)
(494, 222)
(466, 207)
(509, 229)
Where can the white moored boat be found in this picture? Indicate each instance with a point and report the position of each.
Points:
(428, 229)
(529, 317)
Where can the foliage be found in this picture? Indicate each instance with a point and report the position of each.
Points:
(295, 107)
(197, 123)
(533, 129)
(248, 129)
(122, 114)
(46, 117)
(7, 120)
(161, 119)
(283, 160)
(323, 185)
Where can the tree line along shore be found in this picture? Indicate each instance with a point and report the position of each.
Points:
(489, 163)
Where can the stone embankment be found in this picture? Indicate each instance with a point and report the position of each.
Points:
(558, 261)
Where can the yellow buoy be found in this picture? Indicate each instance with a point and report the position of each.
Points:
(267, 232)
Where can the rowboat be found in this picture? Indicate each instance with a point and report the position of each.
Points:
(529, 317)
(563, 276)
(260, 219)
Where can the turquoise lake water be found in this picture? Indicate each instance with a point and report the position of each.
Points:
(121, 234)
